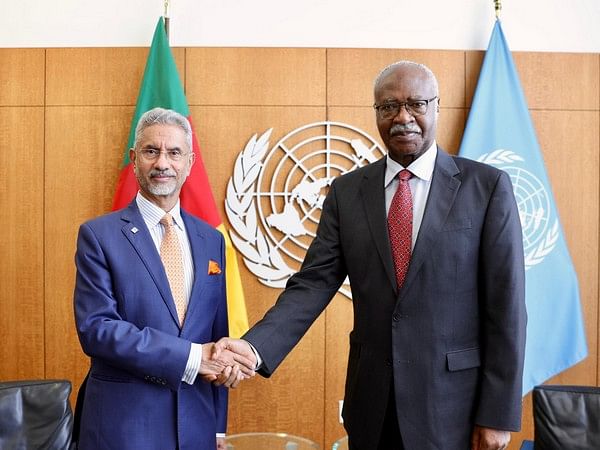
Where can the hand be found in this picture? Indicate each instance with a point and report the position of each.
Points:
(230, 377)
(489, 439)
(215, 362)
(221, 444)
(242, 350)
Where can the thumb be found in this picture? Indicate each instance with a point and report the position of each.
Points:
(218, 347)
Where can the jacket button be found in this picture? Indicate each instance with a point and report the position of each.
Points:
(396, 317)
(388, 361)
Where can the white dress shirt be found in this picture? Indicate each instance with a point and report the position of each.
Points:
(420, 183)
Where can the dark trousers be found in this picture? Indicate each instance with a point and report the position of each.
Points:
(390, 438)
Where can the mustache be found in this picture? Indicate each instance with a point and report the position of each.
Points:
(161, 173)
(405, 128)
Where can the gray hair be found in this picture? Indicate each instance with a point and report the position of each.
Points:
(400, 64)
(161, 116)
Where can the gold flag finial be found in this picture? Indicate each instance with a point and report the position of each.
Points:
(498, 7)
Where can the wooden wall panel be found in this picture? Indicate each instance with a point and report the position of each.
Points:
(22, 77)
(86, 99)
(98, 76)
(351, 73)
(566, 81)
(256, 76)
(22, 244)
(82, 166)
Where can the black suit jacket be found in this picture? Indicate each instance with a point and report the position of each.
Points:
(451, 341)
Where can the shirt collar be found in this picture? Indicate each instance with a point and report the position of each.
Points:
(152, 213)
(422, 167)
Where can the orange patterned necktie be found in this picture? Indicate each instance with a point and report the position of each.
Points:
(170, 254)
(400, 219)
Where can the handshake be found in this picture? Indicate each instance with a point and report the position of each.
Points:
(227, 362)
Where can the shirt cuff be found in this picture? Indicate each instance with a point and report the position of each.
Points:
(221, 435)
(193, 364)
(258, 358)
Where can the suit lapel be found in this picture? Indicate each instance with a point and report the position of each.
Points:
(444, 187)
(373, 196)
(200, 258)
(136, 232)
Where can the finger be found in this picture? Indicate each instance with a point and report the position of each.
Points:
(246, 362)
(209, 378)
(217, 348)
(239, 379)
(223, 377)
(232, 380)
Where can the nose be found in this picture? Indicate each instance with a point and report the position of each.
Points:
(162, 162)
(403, 115)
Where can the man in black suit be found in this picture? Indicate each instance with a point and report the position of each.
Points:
(437, 349)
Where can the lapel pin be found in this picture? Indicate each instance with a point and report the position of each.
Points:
(134, 230)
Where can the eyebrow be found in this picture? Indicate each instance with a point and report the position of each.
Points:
(155, 147)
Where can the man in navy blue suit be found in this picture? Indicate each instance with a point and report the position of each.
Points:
(436, 355)
(149, 334)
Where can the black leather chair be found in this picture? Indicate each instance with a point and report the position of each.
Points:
(35, 415)
(566, 417)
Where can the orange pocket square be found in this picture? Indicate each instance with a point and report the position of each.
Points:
(213, 268)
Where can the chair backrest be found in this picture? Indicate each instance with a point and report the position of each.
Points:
(35, 414)
(566, 417)
(268, 441)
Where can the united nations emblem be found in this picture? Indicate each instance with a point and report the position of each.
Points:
(275, 196)
(538, 220)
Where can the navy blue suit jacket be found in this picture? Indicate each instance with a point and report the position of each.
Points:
(127, 323)
(451, 341)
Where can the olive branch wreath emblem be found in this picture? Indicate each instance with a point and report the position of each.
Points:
(547, 244)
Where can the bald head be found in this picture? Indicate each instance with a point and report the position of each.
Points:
(409, 66)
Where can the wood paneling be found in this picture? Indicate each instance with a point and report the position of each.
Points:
(22, 77)
(258, 76)
(61, 160)
(562, 81)
(98, 76)
(351, 73)
(22, 243)
(82, 166)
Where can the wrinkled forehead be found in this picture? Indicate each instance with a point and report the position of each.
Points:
(159, 134)
(407, 82)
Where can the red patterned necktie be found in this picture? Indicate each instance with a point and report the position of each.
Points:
(400, 219)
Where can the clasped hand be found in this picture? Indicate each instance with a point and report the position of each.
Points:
(227, 362)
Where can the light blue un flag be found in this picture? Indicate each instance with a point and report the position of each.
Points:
(500, 132)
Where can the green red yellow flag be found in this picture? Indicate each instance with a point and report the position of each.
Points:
(161, 87)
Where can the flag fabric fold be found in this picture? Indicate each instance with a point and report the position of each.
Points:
(500, 132)
(162, 87)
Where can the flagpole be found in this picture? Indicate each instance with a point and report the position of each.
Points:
(498, 8)
(166, 17)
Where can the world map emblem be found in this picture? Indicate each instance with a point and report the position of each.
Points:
(275, 195)
(538, 219)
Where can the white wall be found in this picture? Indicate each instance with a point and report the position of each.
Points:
(529, 25)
